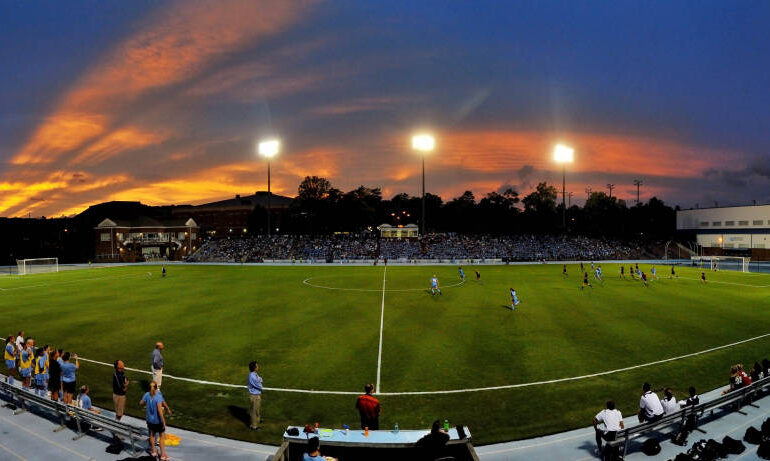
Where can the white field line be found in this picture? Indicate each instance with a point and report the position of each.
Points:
(307, 282)
(458, 391)
(67, 282)
(727, 283)
(382, 320)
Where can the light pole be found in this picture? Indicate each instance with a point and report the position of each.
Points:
(637, 183)
(569, 202)
(610, 187)
(588, 193)
(563, 155)
(423, 143)
(268, 149)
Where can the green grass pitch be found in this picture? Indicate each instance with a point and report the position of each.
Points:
(215, 319)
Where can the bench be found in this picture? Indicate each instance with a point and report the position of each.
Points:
(737, 399)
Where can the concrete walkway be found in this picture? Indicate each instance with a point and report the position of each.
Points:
(30, 436)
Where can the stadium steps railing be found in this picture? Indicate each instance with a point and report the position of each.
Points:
(737, 398)
(82, 418)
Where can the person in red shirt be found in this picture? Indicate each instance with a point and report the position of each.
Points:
(369, 408)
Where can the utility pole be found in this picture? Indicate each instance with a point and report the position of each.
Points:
(588, 192)
(569, 202)
(610, 187)
(637, 183)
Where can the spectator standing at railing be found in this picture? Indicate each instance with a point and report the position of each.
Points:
(254, 384)
(157, 364)
(68, 378)
(613, 422)
(156, 422)
(54, 374)
(26, 357)
(119, 389)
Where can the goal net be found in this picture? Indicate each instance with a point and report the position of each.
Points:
(37, 265)
(733, 263)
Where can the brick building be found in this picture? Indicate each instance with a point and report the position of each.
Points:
(145, 239)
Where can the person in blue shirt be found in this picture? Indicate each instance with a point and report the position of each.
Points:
(314, 451)
(156, 422)
(462, 273)
(68, 378)
(514, 299)
(10, 359)
(434, 289)
(254, 384)
(26, 357)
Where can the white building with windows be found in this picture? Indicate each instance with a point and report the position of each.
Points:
(738, 228)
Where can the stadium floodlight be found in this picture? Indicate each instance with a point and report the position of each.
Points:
(268, 149)
(423, 143)
(563, 154)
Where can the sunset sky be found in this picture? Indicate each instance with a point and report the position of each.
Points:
(163, 101)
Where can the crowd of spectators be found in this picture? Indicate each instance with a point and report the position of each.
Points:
(434, 246)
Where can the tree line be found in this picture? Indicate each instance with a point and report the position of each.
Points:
(320, 208)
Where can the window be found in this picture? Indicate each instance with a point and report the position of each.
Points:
(758, 222)
(743, 223)
(119, 236)
(180, 236)
(716, 223)
(105, 236)
(704, 224)
(729, 223)
(192, 235)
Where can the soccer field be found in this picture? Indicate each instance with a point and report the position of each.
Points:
(337, 328)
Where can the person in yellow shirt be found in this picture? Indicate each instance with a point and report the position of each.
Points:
(25, 365)
(10, 359)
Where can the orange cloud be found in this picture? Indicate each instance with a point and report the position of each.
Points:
(120, 140)
(175, 44)
(358, 105)
(495, 151)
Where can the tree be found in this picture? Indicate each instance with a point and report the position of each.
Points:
(542, 199)
(313, 188)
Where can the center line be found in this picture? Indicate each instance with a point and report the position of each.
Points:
(382, 318)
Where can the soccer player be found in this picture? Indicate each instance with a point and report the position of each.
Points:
(585, 281)
(673, 273)
(622, 272)
(478, 275)
(564, 270)
(715, 266)
(598, 274)
(581, 267)
(592, 265)
(434, 289)
(462, 273)
(703, 277)
(10, 358)
(631, 271)
(164, 270)
(644, 279)
(514, 299)
(654, 273)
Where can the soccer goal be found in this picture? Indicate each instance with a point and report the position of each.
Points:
(37, 265)
(733, 263)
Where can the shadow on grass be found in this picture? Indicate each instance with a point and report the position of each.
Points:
(240, 413)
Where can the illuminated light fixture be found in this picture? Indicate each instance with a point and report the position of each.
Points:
(269, 148)
(563, 154)
(423, 142)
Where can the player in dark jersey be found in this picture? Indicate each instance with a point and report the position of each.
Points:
(564, 270)
(478, 275)
(644, 279)
(703, 277)
(622, 271)
(164, 270)
(585, 281)
(673, 273)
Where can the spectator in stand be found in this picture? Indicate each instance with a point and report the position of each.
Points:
(40, 366)
(314, 451)
(85, 400)
(156, 421)
(737, 380)
(10, 354)
(433, 443)
(157, 364)
(254, 384)
(766, 367)
(54, 375)
(756, 372)
(650, 409)
(613, 422)
(119, 388)
(20, 341)
(68, 377)
(670, 405)
(369, 409)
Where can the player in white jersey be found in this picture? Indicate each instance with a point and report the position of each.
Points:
(598, 274)
(434, 289)
(514, 299)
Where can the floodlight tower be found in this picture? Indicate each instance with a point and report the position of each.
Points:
(563, 155)
(423, 143)
(268, 149)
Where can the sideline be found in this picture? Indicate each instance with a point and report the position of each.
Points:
(454, 391)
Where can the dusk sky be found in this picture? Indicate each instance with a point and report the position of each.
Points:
(163, 101)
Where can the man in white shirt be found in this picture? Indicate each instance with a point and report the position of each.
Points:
(670, 405)
(650, 408)
(613, 422)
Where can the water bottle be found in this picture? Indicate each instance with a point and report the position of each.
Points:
(446, 425)
(347, 429)
(396, 429)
